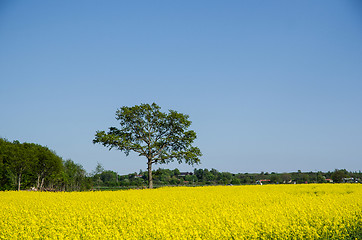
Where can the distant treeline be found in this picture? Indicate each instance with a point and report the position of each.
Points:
(32, 166)
(166, 177)
(29, 166)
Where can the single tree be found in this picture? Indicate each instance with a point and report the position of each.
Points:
(160, 137)
(338, 175)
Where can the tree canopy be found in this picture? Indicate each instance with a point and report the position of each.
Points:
(30, 165)
(158, 136)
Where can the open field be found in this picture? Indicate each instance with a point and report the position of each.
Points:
(313, 211)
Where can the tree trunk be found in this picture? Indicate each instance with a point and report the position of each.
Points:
(19, 181)
(38, 182)
(42, 184)
(150, 181)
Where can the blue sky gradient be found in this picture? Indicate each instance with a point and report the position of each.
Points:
(269, 85)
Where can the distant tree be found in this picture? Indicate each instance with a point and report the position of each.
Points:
(7, 177)
(138, 182)
(160, 137)
(209, 176)
(246, 180)
(47, 164)
(174, 180)
(74, 176)
(164, 175)
(109, 178)
(176, 172)
(199, 173)
(305, 177)
(319, 177)
(21, 159)
(226, 177)
(286, 177)
(25, 165)
(96, 174)
(235, 181)
(191, 178)
(275, 178)
(99, 169)
(125, 182)
(216, 174)
(338, 175)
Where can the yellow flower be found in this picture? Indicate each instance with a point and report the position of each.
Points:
(313, 211)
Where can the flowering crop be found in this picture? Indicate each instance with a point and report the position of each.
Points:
(313, 211)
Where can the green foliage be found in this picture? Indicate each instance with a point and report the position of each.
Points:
(74, 177)
(275, 178)
(338, 175)
(158, 136)
(29, 165)
(213, 177)
(235, 181)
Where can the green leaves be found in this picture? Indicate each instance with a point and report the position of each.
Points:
(160, 137)
(27, 162)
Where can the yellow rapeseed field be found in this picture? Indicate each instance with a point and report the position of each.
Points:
(310, 211)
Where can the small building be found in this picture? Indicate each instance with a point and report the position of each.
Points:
(349, 180)
(183, 174)
(262, 180)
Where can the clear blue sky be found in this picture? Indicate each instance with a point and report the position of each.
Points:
(269, 85)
